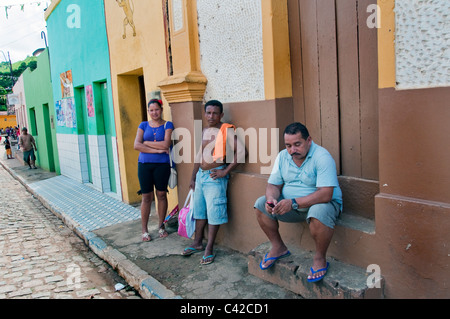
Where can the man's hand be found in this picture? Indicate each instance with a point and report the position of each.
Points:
(217, 173)
(192, 185)
(270, 205)
(282, 207)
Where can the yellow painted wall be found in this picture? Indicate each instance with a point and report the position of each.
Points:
(7, 120)
(187, 83)
(142, 54)
(185, 43)
(386, 44)
(277, 59)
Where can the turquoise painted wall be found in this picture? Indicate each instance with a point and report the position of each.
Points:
(41, 113)
(78, 42)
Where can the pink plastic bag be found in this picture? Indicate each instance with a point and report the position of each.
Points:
(186, 221)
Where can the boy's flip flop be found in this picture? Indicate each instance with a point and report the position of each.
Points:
(206, 260)
(190, 250)
(272, 258)
(316, 271)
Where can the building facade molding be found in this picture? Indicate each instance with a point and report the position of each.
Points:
(187, 87)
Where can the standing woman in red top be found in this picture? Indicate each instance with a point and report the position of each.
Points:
(153, 140)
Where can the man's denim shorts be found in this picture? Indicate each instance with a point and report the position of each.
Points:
(210, 198)
(29, 154)
(326, 213)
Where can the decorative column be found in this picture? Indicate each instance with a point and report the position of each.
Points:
(185, 89)
(187, 84)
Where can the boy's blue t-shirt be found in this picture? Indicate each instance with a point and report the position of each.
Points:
(154, 134)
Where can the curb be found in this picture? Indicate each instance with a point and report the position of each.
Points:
(147, 286)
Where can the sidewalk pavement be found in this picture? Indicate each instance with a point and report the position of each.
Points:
(156, 269)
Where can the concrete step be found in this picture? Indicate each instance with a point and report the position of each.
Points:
(354, 240)
(343, 281)
(356, 222)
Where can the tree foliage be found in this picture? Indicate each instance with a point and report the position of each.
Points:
(6, 84)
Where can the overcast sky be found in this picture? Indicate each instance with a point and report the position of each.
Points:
(20, 33)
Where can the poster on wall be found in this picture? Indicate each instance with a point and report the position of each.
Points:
(65, 113)
(90, 101)
(69, 112)
(60, 120)
(66, 84)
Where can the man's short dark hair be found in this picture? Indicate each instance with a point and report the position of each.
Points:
(296, 128)
(215, 103)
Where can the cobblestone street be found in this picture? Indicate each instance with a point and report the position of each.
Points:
(41, 258)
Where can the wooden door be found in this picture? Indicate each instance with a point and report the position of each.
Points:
(335, 80)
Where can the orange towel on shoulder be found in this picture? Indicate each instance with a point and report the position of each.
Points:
(220, 148)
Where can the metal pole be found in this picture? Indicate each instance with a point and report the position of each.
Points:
(10, 69)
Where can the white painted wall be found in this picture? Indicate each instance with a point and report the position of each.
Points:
(231, 52)
(422, 43)
(73, 161)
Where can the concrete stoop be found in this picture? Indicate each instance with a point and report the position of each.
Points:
(343, 281)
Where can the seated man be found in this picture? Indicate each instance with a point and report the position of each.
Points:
(303, 186)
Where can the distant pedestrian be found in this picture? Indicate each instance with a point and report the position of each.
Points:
(18, 136)
(8, 148)
(27, 143)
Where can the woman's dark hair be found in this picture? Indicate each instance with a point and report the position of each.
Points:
(159, 102)
(215, 103)
(296, 128)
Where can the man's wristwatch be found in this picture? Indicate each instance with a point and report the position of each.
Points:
(294, 204)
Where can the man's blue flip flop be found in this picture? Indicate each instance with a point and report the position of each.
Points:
(316, 271)
(272, 258)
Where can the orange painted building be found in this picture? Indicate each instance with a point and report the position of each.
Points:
(7, 121)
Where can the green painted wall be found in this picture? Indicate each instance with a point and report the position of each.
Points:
(41, 113)
(78, 43)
